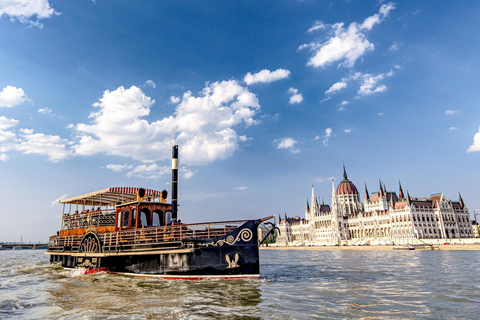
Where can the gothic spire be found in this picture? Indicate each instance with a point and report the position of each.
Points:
(408, 197)
(367, 197)
(400, 191)
(381, 189)
(344, 172)
(308, 207)
(461, 200)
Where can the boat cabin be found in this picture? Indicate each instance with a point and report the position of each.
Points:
(114, 209)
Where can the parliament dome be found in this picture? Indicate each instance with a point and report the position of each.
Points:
(346, 186)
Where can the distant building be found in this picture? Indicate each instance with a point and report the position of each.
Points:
(475, 228)
(384, 217)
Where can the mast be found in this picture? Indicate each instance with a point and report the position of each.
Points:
(174, 182)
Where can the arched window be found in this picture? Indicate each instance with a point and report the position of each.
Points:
(134, 218)
(168, 217)
(125, 218)
(144, 218)
(119, 220)
(157, 218)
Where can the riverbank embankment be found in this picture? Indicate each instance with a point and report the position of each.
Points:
(459, 247)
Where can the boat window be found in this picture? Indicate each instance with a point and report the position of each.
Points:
(144, 217)
(168, 217)
(125, 218)
(134, 218)
(119, 220)
(157, 218)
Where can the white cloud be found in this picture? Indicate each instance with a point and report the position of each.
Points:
(12, 96)
(266, 76)
(336, 87)
(318, 25)
(344, 103)
(381, 114)
(150, 83)
(202, 126)
(348, 130)
(4, 157)
(324, 179)
(244, 138)
(450, 112)
(54, 202)
(326, 137)
(325, 99)
(38, 143)
(46, 110)
(453, 128)
(174, 99)
(394, 46)
(369, 84)
(186, 173)
(475, 147)
(149, 171)
(296, 97)
(118, 167)
(347, 44)
(26, 10)
(287, 143)
(241, 188)
(6, 123)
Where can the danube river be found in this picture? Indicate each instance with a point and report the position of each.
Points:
(295, 284)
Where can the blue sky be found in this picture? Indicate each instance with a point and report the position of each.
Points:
(265, 98)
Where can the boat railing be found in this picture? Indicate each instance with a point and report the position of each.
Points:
(147, 238)
(86, 219)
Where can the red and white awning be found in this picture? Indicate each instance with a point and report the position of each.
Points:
(110, 196)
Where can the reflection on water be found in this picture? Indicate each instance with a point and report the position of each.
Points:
(295, 284)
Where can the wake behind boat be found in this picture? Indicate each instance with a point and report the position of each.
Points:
(135, 231)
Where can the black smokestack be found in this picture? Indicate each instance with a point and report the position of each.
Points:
(174, 182)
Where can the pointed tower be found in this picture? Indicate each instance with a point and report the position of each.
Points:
(460, 200)
(367, 197)
(381, 189)
(314, 201)
(408, 198)
(400, 191)
(392, 202)
(308, 207)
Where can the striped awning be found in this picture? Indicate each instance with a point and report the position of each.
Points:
(110, 196)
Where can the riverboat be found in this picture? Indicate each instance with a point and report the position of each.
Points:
(134, 231)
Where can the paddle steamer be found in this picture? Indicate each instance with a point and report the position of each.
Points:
(135, 231)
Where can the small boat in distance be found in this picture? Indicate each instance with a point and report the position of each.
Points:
(135, 231)
(406, 247)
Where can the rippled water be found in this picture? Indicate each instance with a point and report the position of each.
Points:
(295, 284)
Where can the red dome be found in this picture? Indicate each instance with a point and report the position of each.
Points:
(346, 187)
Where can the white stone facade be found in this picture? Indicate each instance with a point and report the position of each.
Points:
(383, 218)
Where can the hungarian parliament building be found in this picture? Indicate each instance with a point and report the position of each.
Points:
(383, 218)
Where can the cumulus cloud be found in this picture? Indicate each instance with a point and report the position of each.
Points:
(149, 171)
(336, 87)
(347, 130)
(346, 44)
(6, 123)
(174, 99)
(150, 83)
(38, 143)
(318, 25)
(369, 84)
(295, 96)
(202, 126)
(287, 143)
(475, 147)
(244, 138)
(326, 137)
(4, 157)
(12, 96)
(118, 167)
(27, 11)
(46, 110)
(453, 128)
(266, 76)
(451, 112)
(241, 188)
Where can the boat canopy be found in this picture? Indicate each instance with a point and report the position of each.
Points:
(111, 195)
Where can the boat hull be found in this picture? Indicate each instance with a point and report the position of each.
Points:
(234, 255)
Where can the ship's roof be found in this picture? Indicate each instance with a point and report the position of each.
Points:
(110, 195)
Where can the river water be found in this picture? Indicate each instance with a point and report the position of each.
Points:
(295, 284)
